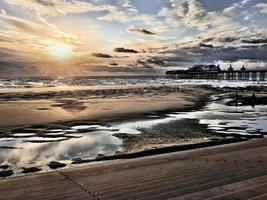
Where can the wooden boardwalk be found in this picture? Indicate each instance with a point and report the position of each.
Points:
(233, 171)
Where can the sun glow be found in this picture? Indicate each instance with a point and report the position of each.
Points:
(60, 51)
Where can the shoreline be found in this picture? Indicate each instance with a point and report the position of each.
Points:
(162, 150)
(179, 105)
(81, 163)
(162, 146)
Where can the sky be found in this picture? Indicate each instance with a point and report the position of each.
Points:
(129, 37)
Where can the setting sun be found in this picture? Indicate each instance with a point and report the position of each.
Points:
(60, 51)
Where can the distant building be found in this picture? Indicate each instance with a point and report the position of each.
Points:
(230, 68)
(243, 68)
(204, 68)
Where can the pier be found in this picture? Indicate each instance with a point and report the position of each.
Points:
(229, 74)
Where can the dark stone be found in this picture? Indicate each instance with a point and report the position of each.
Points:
(27, 170)
(4, 166)
(55, 165)
(77, 160)
(99, 156)
(6, 173)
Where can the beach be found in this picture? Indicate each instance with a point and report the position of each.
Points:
(79, 139)
(91, 103)
(133, 100)
(48, 128)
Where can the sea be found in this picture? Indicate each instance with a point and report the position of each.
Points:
(43, 82)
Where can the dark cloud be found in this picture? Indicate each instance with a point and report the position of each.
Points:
(206, 45)
(208, 39)
(155, 61)
(144, 64)
(223, 39)
(124, 50)
(113, 64)
(16, 69)
(255, 41)
(45, 2)
(189, 55)
(12, 64)
(121, 56)
(134, 69)
(228, 39)
(141, 31)
(101, 55)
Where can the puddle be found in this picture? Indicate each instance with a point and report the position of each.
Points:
(89, 141)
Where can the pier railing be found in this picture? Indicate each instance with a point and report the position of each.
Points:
(253, 75)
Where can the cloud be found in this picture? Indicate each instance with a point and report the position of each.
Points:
(133, 69)
(45, 2)
(33, 29)
(228, 39)
(13, 68)
(3, 12)
(141, 31)
(211, 55)
(263, 7)
(155, 61)
(149, 63)
(179, 32)
(220, 39)
(206, 45)
(113, 64)
(255, 41)
(48, 8)
(114, 15)
(121, 11)
(124, 50)
(191, 13)
(101, 55)
(208, 39)
(25, 25)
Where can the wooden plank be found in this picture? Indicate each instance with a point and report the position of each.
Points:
(214, 172)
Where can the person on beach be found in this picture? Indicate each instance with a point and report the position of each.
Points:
(253, 101)
(236, 99)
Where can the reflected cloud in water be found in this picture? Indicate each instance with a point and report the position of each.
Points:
(87, 146)
(38, 146)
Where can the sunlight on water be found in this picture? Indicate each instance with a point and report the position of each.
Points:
(88, 141)
(64, 82)
(37, 146)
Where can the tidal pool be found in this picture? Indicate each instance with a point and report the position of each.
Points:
(38, 146)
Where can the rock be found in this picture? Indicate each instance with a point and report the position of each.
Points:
(55, 165)
(6, 173)
(81, 160)
(118, 153)
(77, 160)
(27, 170)
(4, 166)
(99, 156)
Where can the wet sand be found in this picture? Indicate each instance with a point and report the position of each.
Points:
(233, 171)
(68, 125)
(52, 105)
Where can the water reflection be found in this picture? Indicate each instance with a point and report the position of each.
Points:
(36, 146)
(89, 145)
